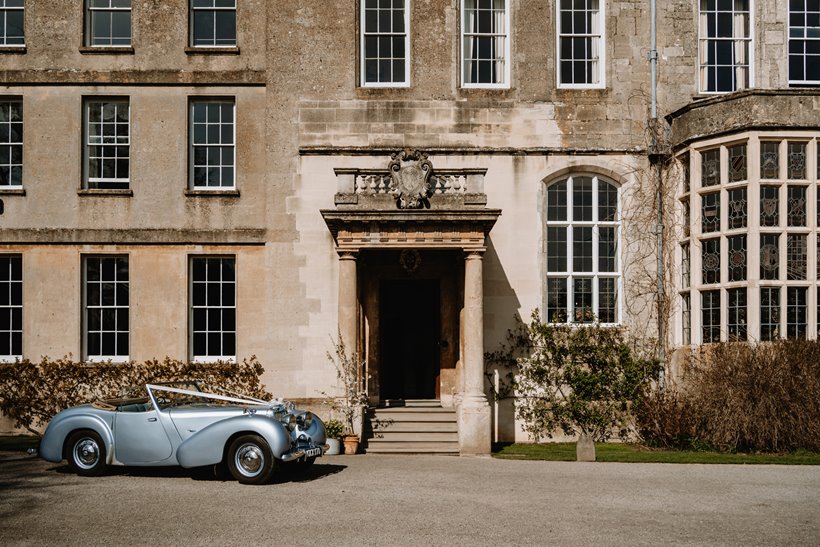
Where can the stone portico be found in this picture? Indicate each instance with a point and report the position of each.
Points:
(423, 232)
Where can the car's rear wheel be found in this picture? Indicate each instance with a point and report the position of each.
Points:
(250, 460)
(85, 452)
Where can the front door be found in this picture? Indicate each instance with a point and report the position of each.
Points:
(409, 332)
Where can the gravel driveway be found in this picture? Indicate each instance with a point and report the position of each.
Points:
(416, 500)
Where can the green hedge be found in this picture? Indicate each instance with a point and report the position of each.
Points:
(31, 393)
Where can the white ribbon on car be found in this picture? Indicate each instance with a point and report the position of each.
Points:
(244, 400)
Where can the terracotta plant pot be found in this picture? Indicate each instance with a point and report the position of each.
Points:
(351, 443)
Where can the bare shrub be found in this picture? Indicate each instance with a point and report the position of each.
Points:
(741, 397)
(31, 393)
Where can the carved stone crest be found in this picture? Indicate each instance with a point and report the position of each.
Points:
(410, 171)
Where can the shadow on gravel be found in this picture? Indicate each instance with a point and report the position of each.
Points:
(208, 473)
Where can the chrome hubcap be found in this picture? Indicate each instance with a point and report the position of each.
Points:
(249, 460)
(86, 453)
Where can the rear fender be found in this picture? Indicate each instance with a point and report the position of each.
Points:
(207, 446)
(58, 430)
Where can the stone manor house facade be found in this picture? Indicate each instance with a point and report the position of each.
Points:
(216, 179)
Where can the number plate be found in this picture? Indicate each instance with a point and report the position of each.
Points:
(311, 452)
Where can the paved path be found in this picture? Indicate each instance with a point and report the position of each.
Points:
(390, 500)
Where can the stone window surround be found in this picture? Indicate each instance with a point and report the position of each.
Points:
(804, 56)
(93, 186)
(595, 273)
(13, 188)
(195, 357)
(116, 306)
(363, 33)
(8, 303)
(749, 52)
(210, 48)
(753, 232)
(92, 11)
(198, 190)
(507, 36)
(4, 9)
(601, 47)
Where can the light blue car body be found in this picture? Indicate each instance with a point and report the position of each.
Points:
(141, 432)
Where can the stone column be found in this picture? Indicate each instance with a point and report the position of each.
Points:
(474, 414)
(348, 301)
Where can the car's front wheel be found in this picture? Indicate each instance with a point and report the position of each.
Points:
(250, 460)
(85, 452)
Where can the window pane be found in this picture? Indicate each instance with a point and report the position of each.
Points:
(769, 313)
(737, 208)
(737, 258)
(796, 257)
(556, 300)
(582, 249)
(737, 163)
(213, 298)
(710, 311)
(769, 206)
(769, 257)
(556, 249)
(710, 210)
(711, 260)
(769, 160)
(557, 201)
(796, 309)
(737, 314)
(581, 199)
(710, 168)
(582, 300)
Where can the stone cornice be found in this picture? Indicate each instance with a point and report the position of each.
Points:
(154, 236)
(354, 230)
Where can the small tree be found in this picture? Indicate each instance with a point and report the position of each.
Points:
(581, 380)
(349, 371)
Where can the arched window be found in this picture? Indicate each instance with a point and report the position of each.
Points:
(582, 246)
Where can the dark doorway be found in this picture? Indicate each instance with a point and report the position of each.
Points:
(409, 316)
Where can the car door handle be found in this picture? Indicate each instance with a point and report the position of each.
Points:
(152, 419)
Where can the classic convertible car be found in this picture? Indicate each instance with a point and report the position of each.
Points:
(179, 424)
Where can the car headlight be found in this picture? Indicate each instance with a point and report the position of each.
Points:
(289, 421)
(305, 420)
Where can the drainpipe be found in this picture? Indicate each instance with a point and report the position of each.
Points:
(655, 166)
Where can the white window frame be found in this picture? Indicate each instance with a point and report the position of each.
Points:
(191, 310)
(7, 306)
(121, 358)
(803, 37)
(191, 27)
(4, 9)
(505, 84)
(102, 141)
(110, 9)
(362, 36)
(192, 146)
(601, 59)
(703, 44)
(595, 273)
(13, 144)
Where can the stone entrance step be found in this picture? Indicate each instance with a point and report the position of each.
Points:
(413, 427)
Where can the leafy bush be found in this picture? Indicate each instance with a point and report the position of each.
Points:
(32, 393)
(577, 379)
(740, 397)
(334, 429)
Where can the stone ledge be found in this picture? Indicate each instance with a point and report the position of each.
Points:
(744, 111)
(133, 77)
(139, 236)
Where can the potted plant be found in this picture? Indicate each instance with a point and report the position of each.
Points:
(334, 430)
(353, 400)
